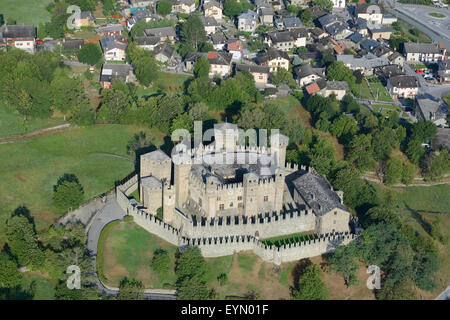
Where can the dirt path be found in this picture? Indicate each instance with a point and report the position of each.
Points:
(401, 185)
(35, 133)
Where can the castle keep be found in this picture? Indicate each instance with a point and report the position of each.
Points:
(227, 196)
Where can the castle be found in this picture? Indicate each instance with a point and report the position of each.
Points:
(228, 196)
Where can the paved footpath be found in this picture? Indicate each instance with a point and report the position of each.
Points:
(111, 212)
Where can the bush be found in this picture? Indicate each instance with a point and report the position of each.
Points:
(91, 54)
(128, 218)
(160, 262)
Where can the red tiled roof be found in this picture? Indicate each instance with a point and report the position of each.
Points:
(212, 54)
(312, 88)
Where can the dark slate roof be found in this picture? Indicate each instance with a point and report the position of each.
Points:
(109, 28)
(373, 8)
(208, 21)
(431, 110)
(266, 11)
(369, 44)
(337, 85)
(391, 70)
(113, 42)
(194, 56)
(403, 81)
(355, 37)
(165, 49)
(18, 31)
(149, 41)
(86, 15)
(112, 71)
(411, 47)
(161, 32)
(335, 28)
(221, 58)
(270, 55)
(327, 19)
(252, 68)
(212, 3)
(70, 44)
(317, 11)
(317, 192)
(156, 156)
(292, 22)
(381, 50)
(307, 70)
(394, 56)
(218, 38)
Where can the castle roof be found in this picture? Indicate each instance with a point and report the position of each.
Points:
(157, 156)
(317, 192)
(151, 182)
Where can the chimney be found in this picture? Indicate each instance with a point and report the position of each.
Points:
(341, 196)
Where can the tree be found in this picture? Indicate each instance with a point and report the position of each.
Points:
(222, 278)
(10, 277)
(182, 121)
(164, 8)
(202, 67)
(24, 105)
(322, 156)
(116, 102)
(22, 240)
(144, 62)
(68, 193)
(393, 172)
(306, 16)
(67, 94)
(436, 164)
(160, 261)
(397, 290)
(338, 71)
(198, 111)
(90, 53)
(232, 8)
(343, 261)
(327, 4)
(360, 152)
(407, 174)
(250, 116)
(130, 289)
(193, 32)
(310, 285)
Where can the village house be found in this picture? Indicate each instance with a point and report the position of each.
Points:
(138, 15)
(425, 52)
(327, 20)
(109, 30)
(274, 59)
(114, 48)
(286, 40)
(165, 53)
(247, 21)
(318, 34)
(235, 47)
(218, 40)
(213, 9)
(338, 30)
(340, 4)
(260, 73)
(72, 44)
(266, 16)
(86, 19)
(21, 36)
(433, 111)
(372, 13)
(365, 64)
(140, 3)
(380, 33)
(391, 70)
(220, 63)
(183, 6)
(306, 74)
(210, 24)
(403, 86)
(111, 71)
(444, 70)
(298, 3)
(327, 88)
(164, 33)
(147, 43)
(389, 19)
(396, 58)
(288, 23)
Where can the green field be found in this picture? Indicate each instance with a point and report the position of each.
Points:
(13, 125)
(437, 15)
(30, 168)
(25, 11)
(165, 82)
(362, 90)
(43, 287)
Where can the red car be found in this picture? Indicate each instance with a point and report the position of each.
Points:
(419, 70)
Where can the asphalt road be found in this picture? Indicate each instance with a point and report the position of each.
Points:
(111, 212)
(429, 90)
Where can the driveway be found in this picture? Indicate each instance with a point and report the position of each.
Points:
(111, 211)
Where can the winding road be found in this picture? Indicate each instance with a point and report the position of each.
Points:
(112, 212)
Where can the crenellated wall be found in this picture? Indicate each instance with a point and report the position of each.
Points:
(222, 237)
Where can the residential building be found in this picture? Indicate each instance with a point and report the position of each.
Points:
(210, 24)
(115, 71)
(444, 70)
(433, 111)
(218, 40)
(260, 73)
(147, 43)
(380, 33)
(425, 52)
(86, 19)
(138, 15)
(213, 9)
(403, 86)
(274, 59)
(183, 6)
(396, 58)
(340, 4)
(164, 33)
(286, 40)
(21, 36)
(266, 16)
(247, 21)
(235, 47)
(109, 30)
(365, 64)
(372, 13)
(288, 23)
(220, 63)
(114, 48)
(306, 74)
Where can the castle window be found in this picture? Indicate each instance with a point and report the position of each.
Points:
(218, 198)
(221, 207)
(240, 205)
(239, 197)
(266, 198)
(335, 213)
(231, 204)
(334, 222)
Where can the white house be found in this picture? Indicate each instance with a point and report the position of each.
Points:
(425, 52)
(370, 12)
(403, 86)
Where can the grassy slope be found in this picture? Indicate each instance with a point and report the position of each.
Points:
(25, 11)
(30, 168)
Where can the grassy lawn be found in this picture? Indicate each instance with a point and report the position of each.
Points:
(12, 124)
(433, 199)
(437, 15)
(447, 99)
(405, 29)
(378, 87)
(287, 239)
(25, 11)
(166, 82)
(30, 168)
(44, 288)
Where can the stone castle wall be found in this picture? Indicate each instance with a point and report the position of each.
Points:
(221, 240)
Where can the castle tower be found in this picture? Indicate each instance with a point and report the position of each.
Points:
(169, 204)
(226, 136)
(211, 196)
(278, 145)
(181, 182)
(157, 164)
(280, 177)
(250, 183)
